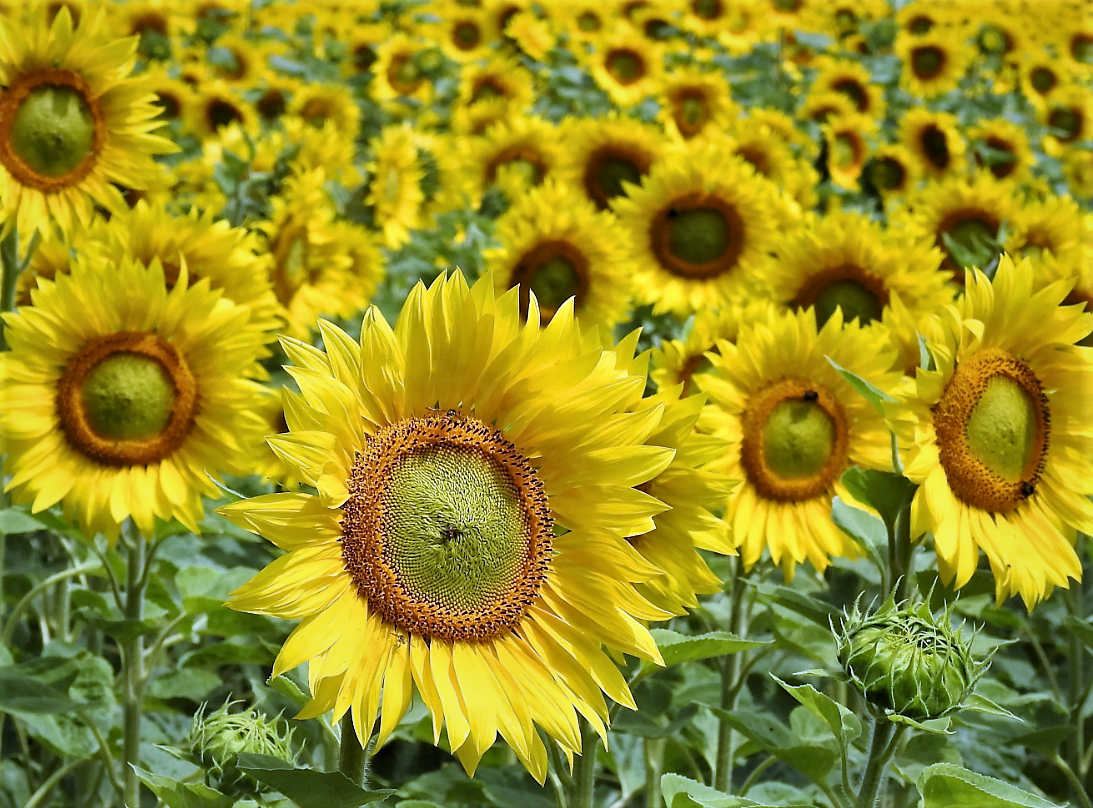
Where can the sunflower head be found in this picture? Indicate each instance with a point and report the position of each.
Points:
(217, 740)
(907, 661)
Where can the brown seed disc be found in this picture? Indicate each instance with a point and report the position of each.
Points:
(74, 417)
(969, 477)
(660, 236)
(608, 166)
(754, 452)
(538, 258)
(407, 533)
(12, 99)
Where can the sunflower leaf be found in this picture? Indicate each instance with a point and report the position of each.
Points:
(869, 391)
(678, 648)
(306, 787)
(945, 785)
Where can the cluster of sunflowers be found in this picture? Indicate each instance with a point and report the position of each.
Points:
(666, 280)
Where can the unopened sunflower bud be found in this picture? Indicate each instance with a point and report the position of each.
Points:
(216, 741)
(906, 661)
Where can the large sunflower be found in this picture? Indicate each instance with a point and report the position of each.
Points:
(793, 426)
(932, 64)
(1000, 435)
(73, 123)
(602, 154)
(846, 261)
(514, 154)
(119, 395)
(555, 244)
(697, 219)
(459, 546)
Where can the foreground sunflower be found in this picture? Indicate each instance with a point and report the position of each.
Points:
(458, 545)
(697, 219)
(119, 395)
(794, 425)
(73, 124)
(1000, 436)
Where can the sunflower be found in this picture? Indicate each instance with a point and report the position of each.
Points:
(173, 96)
(395, 192)
(892, 171)
(267, 463)
(765, 150)
(679, 361)
(120, 395)
(968, 212)
(1077, 41)
(209, 249)
(72, 123)
(515, 155)
(793, 426)
(852, 80)
(236, 60)
(398, 73)
(1040, 75)
(847, 148)
(317, 104)
(1052, 231)
(273, 95)
(458, 546)
(1068, 115)
(498, 77)
(694, 101)
(557, 245)
(154, 22)
(534, 37)
(603, 154)
(932, 65)
(581, 20)
(696, 220)
(219, 105)
(820, 106)
(846, 261)
(1000, 437)
(1002, 148)
(934, 139)
(1078, 170)
(626, 65)
(318, 266)
(694, 491)
(362, 48)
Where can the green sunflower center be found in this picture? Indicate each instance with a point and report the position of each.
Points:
(454, 528)
(927, 61)
(467, 35)
(128, 396)
(554, 282)
(1066, 121)
(920, 25)
(707, 9)
(53, 130)
(1081, 48)
(698, 235)
(526, 170)
(1002, 428)
(993, 39)
(614, 172)
(625, 66)
(971, 234)
(692, 110)
(1042, 79)
(588, 22)
(887, 173)
(845, 152)
(798, 439)
(406, 72)
(936, 147)
(855, 300)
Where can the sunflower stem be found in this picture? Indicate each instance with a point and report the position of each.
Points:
(133, 662)
(353, 755)
(584, 768)
(731, 672)
(885, 736)
(1076, 676)
(900, 552)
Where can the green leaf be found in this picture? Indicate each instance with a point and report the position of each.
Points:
(939, 726)
(23, 693)
(873, 394)
(981, 704)
(770, 734)
(174, 794)
(678, 648)
(862, 525)
(306, 787)
(186, 683)
(944, 785)
(681, 792)
(813, 609)
(416, 804)
(16, 521)
(844, 724)
(886, 493)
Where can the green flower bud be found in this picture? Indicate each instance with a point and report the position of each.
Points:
(217, 741)
(906, 661)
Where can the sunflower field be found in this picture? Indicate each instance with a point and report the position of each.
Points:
(546, 403)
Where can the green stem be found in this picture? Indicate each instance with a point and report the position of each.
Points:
(133, 665)
(1076, 676)
(756, 773)
(731, 670)
(558, 776)
(353, 755)
(46, 787)
(584, 768)
(1072, 778)
(885, 736)
(899, 552)
(654, 762)
(13, 618)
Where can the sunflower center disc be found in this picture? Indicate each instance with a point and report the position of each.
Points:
(466, 35)
(992, 425)
(1002, 428)
(927, 61)
(526, 170)
(588, 22)
(887, 174)
(846, 152)
(795, 440)
(625, 66)
(53, 130)
(555, 282)
(1042, 79)
(447, 531)
(856, 301)
(699, 235)
(707, 9)
(614, 172)
(798, 439)
(936, 147)
(128, 396)
(1066, 121)
(972, 235)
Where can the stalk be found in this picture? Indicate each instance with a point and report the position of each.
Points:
(584, 768)
(133, 663)
(1076, 676)
(731, 671)
(352, 757)
(885, 737)
(899, 552)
